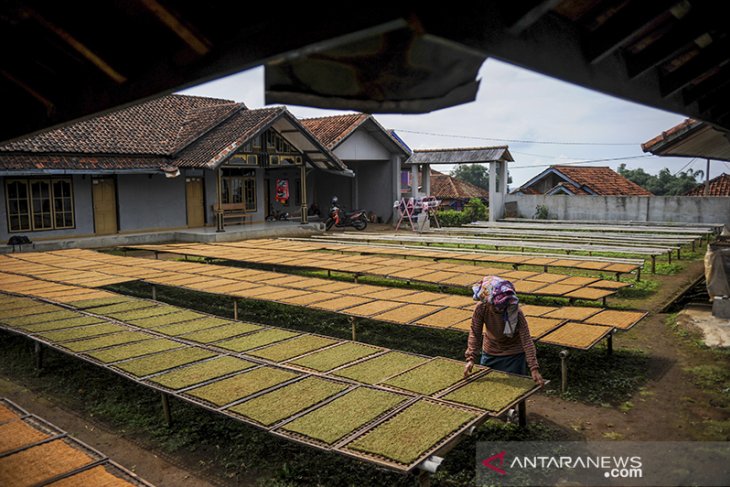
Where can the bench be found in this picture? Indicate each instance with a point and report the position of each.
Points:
(233, 212)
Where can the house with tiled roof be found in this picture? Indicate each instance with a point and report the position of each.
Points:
(719, 186)
(371, 152)
(453, 192)
(581, 181)
(170, 163)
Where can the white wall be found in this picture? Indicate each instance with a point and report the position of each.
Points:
(691, 209)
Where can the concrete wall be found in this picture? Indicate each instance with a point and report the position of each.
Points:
(83, 213)
(146, 203)
(692, 209)
(361, 146)
(373, 187)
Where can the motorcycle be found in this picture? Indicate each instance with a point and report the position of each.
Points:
(339, 218)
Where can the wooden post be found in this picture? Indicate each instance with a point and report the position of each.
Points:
(154, 292)
(166, 409)
(653, 264)
(609, 344)
(303, 185)
(522, 411)
(353, 324)
(220, 227)
(669, 256)
(235, 309)
(638, 274)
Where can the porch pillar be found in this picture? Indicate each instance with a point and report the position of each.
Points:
(218, 206)
(492, 191)
(303, 191)
(414, 181)
(426, 178)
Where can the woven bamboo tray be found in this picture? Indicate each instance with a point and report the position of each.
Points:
(529, 287)
(407, 313)
(540, 326)
(435, 423)
(622, 320)
(342, 417)
(591, 293)
(534, 310)
(493, 391)
(446, 318)
(573, 313)
(577, 335)
(372, 308)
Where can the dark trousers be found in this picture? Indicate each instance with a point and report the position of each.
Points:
(515, 364)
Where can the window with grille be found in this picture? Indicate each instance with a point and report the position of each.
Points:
(39, 204)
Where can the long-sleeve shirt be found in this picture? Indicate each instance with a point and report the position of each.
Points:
(496, 342)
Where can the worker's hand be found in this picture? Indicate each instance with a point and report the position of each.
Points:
(468, 368)
(537, 377)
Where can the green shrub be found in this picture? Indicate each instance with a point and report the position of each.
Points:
(474, 210)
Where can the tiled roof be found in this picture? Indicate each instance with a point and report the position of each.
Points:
(602, 181)
(176, 130)
(688, 124)
(465, 155)
(569, 187)
(158, 127)
(444, 186)
(719, 186)
(332, 130)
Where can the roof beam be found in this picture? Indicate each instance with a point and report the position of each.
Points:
(623, 27)
(78, 46)
(707, 87)
(668, 46)
(717, 54)
(196, 42)
(527, 16)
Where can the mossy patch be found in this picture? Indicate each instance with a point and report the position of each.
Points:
(335, 420)
(132, 350)
(122, 307)
(176, 329)
(81, 332)
(242, 385)
(292, 348)
(165, 360)
(59, 314)
(412, 432)
(210, 335)
(197, 373)
(257, 339)
(492, 392)
(336, 356)
(139, 314)
(380, 368)
(62, 324)
(431, 377)
(287, 401)
(98, 302)
(170, 319)
(106, 341)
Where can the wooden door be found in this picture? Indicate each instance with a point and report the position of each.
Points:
(195, 202)
(104, 195)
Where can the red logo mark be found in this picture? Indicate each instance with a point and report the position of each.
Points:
(499, 456)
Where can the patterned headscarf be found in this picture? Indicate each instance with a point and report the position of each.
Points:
(501, 294)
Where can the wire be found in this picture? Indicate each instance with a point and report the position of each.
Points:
(581, 162)
(685, 166)
(516, 140)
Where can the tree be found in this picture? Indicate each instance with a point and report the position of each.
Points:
(665, 183)
(476, 174)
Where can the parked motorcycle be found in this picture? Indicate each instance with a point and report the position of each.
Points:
(339, 218)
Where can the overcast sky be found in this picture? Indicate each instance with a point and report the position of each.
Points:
(529, 112)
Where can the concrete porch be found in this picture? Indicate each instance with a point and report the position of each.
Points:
(202, 235)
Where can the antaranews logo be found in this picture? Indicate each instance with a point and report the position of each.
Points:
(611, 466)
(499, 456)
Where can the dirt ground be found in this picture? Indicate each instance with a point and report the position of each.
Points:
(668, 407)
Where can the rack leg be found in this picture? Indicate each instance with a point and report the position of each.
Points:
(638, 274)
(563, 371)
(38, 351)
(424, 479)
(235, 309)
(154, 292)
(166, 409)
(353, 324)
(653, 264)
(609, 344)
(522, 411)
